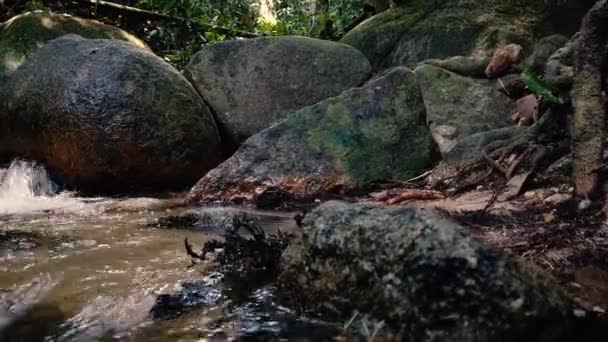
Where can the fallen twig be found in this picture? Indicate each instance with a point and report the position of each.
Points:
(191, 252)
(493, 163)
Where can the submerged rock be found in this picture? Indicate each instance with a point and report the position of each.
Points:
(23, 35)
(420, 29)
(106, 116)
(366, 134)
(253, 83)
(470, 106)
(425, 277)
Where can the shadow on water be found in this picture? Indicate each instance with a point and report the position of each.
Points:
(37, 324)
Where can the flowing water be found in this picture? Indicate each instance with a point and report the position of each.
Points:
(93, 269)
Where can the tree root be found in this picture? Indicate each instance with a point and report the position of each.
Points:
(238, 253)
(527, 148)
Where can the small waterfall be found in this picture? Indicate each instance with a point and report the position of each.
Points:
(25, 187)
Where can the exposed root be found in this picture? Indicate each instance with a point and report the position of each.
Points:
(393, 197)
(493, 163)
(239, 253)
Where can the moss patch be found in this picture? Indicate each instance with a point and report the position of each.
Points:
(371, 136)
(25, 34)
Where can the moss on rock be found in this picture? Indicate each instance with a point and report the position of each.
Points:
(254, 83)
(23, 35)
(418, 30)
(470, 106)
(365, 134)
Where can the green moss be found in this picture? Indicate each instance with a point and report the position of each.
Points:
(375, 145)
(335, 135)
(25, 34)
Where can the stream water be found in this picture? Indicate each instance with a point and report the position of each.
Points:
(93, 269)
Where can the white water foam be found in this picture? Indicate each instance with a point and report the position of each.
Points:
(25, 187)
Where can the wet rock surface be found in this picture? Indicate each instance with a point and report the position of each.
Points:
(253, 83)
(107, 116)
(425, 277)
(365, 134)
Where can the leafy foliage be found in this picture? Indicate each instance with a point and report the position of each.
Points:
(233, 14)
(538, 86)
(314, 18)
(302, 17)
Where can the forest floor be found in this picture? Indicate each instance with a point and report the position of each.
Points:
(542, 226)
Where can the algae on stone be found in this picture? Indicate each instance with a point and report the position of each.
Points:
(375, 132)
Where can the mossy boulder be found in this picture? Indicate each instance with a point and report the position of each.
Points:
(107, 116)
(24, 34)
(421, 29)
(363, 135)
(543, 50)
(253, 83)
(469, 106)
(426, 278)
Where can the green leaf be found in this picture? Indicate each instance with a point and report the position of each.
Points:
(538, 86)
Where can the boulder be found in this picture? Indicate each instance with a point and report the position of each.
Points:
(253, 83)
(107, 116)
(363, 135)
(470, 106)
(559, 70)
(543, 50)
(426, 278)
(24, 34)
(420, 29)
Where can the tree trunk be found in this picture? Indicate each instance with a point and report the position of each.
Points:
(588, 130)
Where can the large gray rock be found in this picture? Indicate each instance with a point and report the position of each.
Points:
(104, 115)
(253, 83)
(466, 105)
(422, 29)
(366, 134)
(24, 34)
(425, 277)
